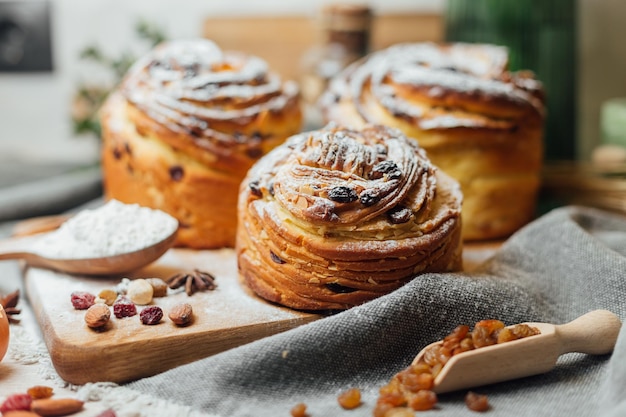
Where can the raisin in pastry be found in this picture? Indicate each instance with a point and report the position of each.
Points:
(183, 128)
(478, 122)
(336, 217)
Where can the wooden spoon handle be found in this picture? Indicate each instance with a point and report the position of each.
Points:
(41, 224)
(594, 333)
(16, 247)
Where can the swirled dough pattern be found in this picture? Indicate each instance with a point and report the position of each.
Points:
(478, 122)
(336, 217)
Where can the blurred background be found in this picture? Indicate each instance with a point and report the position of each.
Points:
(58, 57)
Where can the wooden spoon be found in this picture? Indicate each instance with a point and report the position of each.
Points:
(594, 333)
(21, 248)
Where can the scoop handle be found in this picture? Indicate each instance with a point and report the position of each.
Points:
(594, 333)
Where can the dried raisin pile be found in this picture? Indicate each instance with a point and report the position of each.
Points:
(411, 389)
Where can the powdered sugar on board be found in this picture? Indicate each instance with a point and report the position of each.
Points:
(125, 350)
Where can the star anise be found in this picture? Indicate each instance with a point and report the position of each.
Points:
(193, 281)
(9, 303)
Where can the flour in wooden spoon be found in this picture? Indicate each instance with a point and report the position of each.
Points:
(113, 229)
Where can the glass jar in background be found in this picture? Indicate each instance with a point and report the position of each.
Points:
(344, 37)
(541, 36)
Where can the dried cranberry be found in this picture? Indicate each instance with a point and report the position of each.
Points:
(16, 402)
(82, 300)
(123, 307)
(151, 315)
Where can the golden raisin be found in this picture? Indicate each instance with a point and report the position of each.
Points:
(381, 409)
(350, 399)
(476, 402)
(413, 386)
(524, 330)
(299, 410)
(108, 296)
(393, 399)
(422, 400)
(485, 332)
(39, 391)
(415, 382)
(400, 412)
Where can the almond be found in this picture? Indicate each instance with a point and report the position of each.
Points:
(181, 314)
(51, 407)
(19, 413)
(97, 315)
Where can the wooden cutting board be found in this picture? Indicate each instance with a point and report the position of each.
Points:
(126, 349)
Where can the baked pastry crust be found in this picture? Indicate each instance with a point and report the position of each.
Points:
(336, 217)
(477, 122)
(186, 124)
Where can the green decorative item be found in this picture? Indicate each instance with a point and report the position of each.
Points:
(613, 121)
(89, 98)
(541, 37)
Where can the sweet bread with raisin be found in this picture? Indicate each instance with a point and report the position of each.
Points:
(338, 216)
(184, 127)
(477, 121)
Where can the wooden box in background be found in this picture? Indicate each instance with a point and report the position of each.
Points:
(283, 40)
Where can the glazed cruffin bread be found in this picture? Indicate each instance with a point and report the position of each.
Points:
(184, 127)
(478, 122)
(336, 217)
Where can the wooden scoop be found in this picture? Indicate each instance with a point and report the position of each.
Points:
(20, 248)
(594, 333)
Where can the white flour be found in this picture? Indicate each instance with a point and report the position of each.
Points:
(112, 229)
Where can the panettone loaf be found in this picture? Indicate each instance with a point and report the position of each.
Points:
(336, 217)
(184, 127)
(478, 122)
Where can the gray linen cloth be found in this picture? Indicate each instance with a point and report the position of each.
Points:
(564, 264)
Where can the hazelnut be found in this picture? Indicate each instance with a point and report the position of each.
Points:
(97, 315)
(140, 291)
(159, 287)
(181, 314)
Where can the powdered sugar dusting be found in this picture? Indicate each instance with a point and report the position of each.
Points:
(443, 74)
